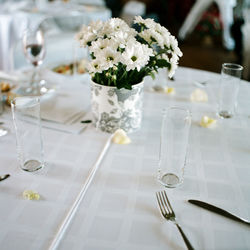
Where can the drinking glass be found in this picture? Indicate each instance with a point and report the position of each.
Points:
(1, 101)
(34, 51)
(3, 130)
(27, 123)
(175, 128)
(229, 87)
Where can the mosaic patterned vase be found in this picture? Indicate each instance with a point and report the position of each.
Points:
(114, 108)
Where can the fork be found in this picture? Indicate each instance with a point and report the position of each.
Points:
(168, 213)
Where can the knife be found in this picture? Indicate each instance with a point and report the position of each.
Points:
(219, 211)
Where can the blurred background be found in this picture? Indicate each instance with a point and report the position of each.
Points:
(209, 32)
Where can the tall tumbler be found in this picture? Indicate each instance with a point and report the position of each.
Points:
(229, 87)
(1, 101)
(27, 123)
(175, 129)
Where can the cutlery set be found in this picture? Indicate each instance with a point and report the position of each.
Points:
(168, 213)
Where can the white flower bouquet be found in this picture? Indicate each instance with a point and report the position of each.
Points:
(122, 56)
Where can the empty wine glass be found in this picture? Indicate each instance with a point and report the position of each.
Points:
(34, 51)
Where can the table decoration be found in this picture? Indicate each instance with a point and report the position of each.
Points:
(199, 95)
(120, 137)
(207, 122)
(31, 195)
(169, 90)
(121, 57)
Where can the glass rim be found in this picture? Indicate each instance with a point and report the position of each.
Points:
(165, 110)
(232, 66)
(13, 101)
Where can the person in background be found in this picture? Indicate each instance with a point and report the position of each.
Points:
(236, 28)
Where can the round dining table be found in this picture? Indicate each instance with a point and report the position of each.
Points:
(118, 209)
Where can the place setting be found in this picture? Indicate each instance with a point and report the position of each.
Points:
(107, 142)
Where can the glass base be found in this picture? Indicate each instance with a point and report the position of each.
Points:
(41, 88)
(34, 92)
(225, 114)
(32, 165)
(170, 180)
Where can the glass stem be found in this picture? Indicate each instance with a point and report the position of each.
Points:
(34, 84)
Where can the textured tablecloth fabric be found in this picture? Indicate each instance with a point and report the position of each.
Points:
(120, 209)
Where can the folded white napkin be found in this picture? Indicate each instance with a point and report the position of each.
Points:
(70, 103)
(75, 127)
(62, 107)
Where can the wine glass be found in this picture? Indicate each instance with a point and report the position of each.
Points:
(34, 51)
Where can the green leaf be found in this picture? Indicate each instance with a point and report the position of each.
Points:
(123, 85)
(152, 75)
(161, 63)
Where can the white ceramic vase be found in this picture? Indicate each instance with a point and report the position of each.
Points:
(114, 108)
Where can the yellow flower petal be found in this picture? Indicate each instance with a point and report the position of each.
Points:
(199, 95)
(31, 195)
(207, 122)
(120, 137)
(170, 91)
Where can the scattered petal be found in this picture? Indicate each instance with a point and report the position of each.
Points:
(170, 91)
(31, 195)
(207, 122)
(199, 95)
(120, 137)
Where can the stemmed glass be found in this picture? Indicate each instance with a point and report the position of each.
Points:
(34, 51)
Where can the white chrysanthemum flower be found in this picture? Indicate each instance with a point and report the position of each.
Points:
(85, 36)
(152, 37)
(149, 23)
(174, 64)
(109, 57)
(174, 46)
(136, 56)
(118, 24)
(163, 56)
(96, 26)
(95, 66)
(165, 34)
(124, 37)
(114, 25)
(101, 44)
(122, 41)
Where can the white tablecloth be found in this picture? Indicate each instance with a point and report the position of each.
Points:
(119, 210)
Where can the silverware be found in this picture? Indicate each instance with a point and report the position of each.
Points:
(168, 213)
(218, 210)
(3, 177)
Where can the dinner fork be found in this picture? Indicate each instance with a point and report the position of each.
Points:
(168, 213)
